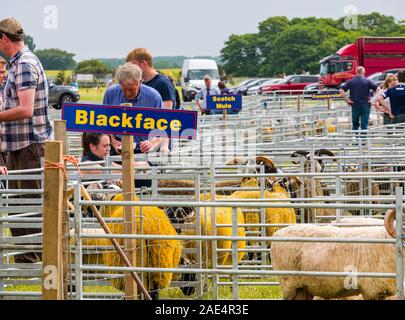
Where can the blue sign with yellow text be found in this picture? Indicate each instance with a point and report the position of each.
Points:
(231, 102)
(137, 121)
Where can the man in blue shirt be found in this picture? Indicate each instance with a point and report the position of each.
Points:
(359, 99)
(131, 90)
(397, 99)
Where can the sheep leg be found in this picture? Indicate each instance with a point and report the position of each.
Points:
(302, 294)
(154, 294)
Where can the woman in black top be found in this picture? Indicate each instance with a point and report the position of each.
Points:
(96, 146)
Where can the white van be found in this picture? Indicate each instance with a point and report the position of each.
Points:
(192, 75)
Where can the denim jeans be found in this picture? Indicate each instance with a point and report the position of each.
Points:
(360, 116)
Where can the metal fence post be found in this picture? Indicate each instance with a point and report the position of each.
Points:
(400, 250)
(235, 287)
(78, 241)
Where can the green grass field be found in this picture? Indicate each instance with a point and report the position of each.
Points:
(51, 74)
(224, 292)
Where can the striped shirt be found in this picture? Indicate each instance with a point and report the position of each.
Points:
(25, 72)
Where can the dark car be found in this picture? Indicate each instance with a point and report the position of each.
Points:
(293, 84)
(244, 89)
(59, 94)
(241, 84)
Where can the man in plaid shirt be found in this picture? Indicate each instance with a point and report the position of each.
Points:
(24, 122)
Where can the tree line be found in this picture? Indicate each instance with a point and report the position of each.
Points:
(290, 46)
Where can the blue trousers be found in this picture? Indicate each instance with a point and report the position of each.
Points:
(360, 116)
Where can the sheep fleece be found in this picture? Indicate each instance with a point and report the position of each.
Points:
(158, 253)
(337, 257)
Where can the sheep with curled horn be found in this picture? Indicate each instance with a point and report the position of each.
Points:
(336, 257)
(275, 188)
(319, 189)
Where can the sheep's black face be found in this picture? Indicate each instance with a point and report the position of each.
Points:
(180, 214)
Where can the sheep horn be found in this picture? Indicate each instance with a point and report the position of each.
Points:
(299, 153)
(325, 152)
(389, 218)
(266, 161)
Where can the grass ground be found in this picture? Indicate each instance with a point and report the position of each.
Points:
(224, 292)
(51, 74)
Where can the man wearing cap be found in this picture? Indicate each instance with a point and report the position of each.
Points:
(24, 122)
(208, 90)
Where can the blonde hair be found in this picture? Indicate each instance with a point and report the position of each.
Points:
(128, 71)
(140, 54)
(388, 80)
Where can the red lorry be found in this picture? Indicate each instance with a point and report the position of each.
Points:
(375, 54)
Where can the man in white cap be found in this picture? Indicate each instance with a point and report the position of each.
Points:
(24, 115)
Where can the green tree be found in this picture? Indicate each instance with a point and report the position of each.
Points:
(29, 41)
(241, 55)
(56, 59)
(301, 46)
(92, 66)
(60, 78)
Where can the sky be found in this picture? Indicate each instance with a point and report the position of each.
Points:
(110, 29)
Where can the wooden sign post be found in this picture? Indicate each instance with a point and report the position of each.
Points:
(60, 135)
(128, 186)
(52, 277)
(128, 177)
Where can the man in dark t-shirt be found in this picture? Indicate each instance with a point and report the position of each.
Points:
(397, 99)
(143, 59)
(359, 99)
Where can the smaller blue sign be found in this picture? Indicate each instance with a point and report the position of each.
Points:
(231, 102)
(136, 121)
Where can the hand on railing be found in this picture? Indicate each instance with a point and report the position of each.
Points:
(3, 170)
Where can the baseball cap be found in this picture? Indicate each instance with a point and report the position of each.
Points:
(12, 27)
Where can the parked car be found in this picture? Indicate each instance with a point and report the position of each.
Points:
(267, 83)
(293, 84)
(244, 89)
(59, 94)
(243, 83)
(379, 77)
(312, 88)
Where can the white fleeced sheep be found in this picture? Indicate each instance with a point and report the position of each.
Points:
(336, 257)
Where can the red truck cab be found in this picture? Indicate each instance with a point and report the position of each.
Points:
(375, 54)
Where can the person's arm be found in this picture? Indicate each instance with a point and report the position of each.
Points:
(26, 82)
(383, 104)
(106, 98)
(168, 104)
(24, 110)
(197, 99)
(342, 92)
